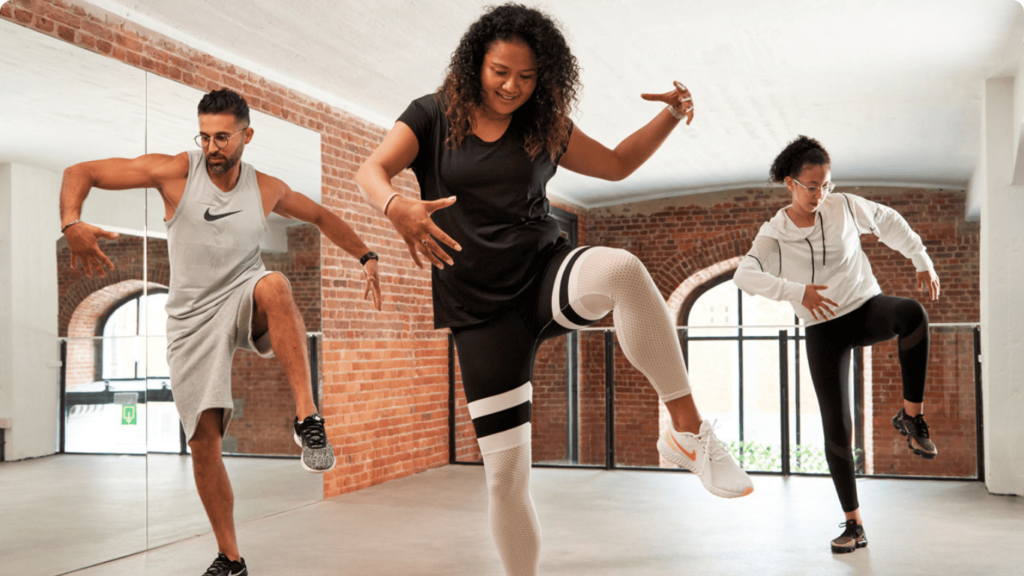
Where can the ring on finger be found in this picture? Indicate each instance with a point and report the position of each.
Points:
(424, 241)
(688, 110)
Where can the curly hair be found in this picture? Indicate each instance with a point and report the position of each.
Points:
(801, 152)
(545, 116)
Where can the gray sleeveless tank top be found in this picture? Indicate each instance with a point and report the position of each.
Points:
(213, 243)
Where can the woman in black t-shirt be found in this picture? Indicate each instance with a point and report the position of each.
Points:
(492, 136)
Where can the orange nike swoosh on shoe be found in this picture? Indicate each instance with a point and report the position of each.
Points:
(692, 455)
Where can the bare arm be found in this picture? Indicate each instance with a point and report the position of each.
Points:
(149, 171)
(411, 218)
(297, 206)
(591, 158)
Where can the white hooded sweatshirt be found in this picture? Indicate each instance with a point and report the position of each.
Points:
(785, 258)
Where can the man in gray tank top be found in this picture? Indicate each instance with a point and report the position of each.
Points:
(221, 296)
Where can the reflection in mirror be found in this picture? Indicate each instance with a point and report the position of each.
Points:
(72, 435)
(260, 454)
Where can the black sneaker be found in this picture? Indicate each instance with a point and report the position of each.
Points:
(916, 431)
(851, 538)
(222, 566)
(317, 454)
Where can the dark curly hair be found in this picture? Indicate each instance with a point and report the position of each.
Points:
(225, 101)
(801, 152)
(545, 116)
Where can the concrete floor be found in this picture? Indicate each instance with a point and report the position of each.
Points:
(622, 523)
(63, 513)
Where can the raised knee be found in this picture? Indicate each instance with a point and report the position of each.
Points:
(272, 288)
(623, 265)
(913, 315)
(274, 283)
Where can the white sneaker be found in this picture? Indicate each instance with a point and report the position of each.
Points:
(704, 455)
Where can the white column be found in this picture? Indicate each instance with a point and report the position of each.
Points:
(1002, 291)
(29, 357)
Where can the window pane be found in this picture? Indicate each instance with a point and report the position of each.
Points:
(758, 311)
(121, 354)
(714, 373)
(718, 307)
(762, 446)
(156, 324)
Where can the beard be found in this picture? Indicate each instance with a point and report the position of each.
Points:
(227, 164)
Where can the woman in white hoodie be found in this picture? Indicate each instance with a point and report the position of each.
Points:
(810, 255)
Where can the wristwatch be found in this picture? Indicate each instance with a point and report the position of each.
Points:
(366, 257)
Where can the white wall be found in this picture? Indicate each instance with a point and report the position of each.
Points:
(1002, 291)
(29, 356)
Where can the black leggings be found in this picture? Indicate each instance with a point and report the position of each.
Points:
(496, 356)
(828, 353)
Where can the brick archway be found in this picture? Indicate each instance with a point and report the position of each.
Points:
(86, 323)
(705, 259)
(84, 301)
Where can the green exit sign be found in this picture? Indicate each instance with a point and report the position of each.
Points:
(129, 415)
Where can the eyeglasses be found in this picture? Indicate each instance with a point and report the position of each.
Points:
(220, 140)
(812, 189)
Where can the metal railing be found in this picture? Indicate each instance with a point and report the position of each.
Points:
(786, 335)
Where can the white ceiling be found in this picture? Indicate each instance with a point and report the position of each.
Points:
(891, 87)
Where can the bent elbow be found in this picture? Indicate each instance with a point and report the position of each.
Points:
(742, 279)
(75, 170)
(362, 179)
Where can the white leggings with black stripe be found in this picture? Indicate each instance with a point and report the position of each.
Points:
(579, 287)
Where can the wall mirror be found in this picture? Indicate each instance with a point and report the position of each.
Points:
(73, 479)
(91, 460)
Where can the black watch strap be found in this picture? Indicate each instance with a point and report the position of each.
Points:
(366, 258)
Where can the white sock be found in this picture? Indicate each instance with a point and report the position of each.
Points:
(514, 524)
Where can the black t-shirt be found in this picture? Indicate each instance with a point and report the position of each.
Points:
(500, 219)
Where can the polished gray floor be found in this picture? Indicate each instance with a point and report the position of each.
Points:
(66, 512)
(622, 523)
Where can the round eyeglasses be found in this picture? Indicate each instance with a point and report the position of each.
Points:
(219, 140)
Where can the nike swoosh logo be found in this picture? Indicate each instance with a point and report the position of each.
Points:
(211, 217)
(692, 455)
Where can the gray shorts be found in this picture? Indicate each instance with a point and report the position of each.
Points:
(200, 362)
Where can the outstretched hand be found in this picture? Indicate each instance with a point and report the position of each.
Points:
(680, 99)
(84, 245)
(411, 218)
(817, 303)
(929, 279)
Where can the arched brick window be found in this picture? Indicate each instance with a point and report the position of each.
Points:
(126, 353)
(85, 329)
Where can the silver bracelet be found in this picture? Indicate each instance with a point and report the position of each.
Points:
(678, 116)
(388, 203)
(69, 225)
